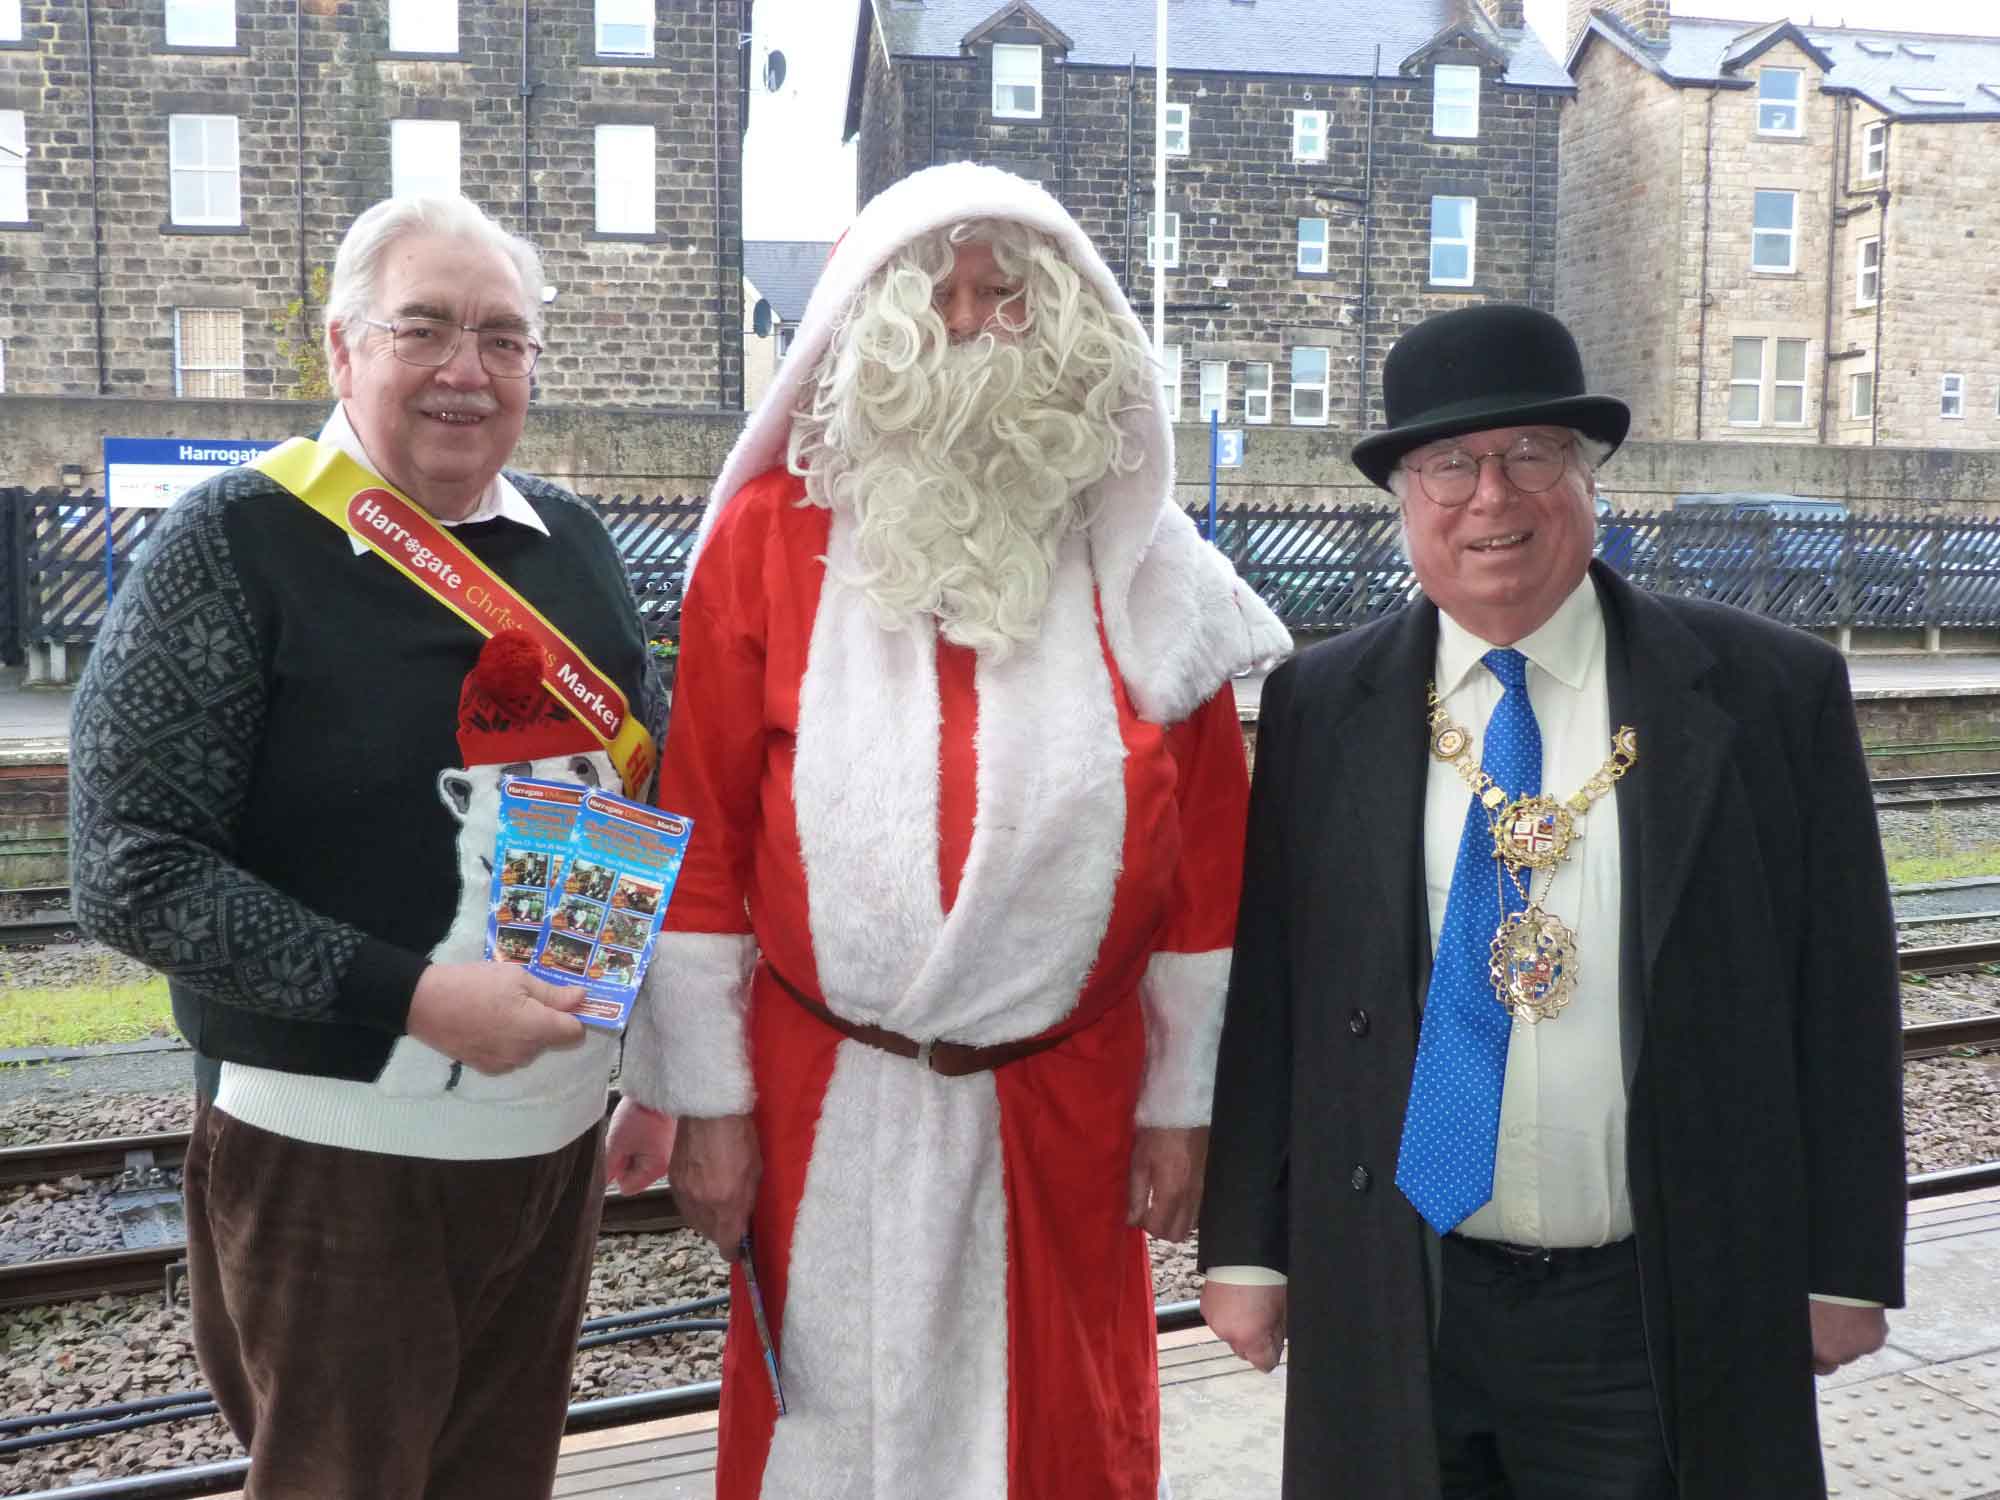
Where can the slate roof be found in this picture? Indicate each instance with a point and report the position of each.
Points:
(785, 272)
(1316, 38)
(1879, 65)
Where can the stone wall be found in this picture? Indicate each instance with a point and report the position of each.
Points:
(637, 319)
(610, 450)
(1622, 208)
(1655, 274)
(1240, 197)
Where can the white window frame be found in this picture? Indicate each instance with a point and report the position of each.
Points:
(1324, 385)
(1470, 240)
(1755, 385)
(1772, 102)
(621, 14)
(1790, 233)
(1874, 149)
(424, 26)
(1170, 380)
(1780, 384)
(1172, 229)
(1214, 391)
(218, 162)
(418, 150)
(1857, 383)
(1257, 393)
(1180, 125)
(10, 20)
(201, 23)
(1951, 398)
(1024, 71)
(1312, 252)
(13, 166)
(1454, 114)
(618, 175)
(183, 367)
(1308, 135)
(1868, 271)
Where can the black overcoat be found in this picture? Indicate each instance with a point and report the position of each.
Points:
(1759, 994)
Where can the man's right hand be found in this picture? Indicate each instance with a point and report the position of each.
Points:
(493, 1017)
(714, 1171)
(1249, 1319)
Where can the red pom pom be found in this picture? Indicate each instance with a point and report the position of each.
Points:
(510, 672)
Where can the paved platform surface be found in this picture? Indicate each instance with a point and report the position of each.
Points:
(1918, 1421)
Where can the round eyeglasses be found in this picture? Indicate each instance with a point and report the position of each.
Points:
(1532, 464)
(429, 343)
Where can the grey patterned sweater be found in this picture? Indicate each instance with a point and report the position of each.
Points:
(255, 750)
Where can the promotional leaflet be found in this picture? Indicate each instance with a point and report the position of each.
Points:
(535, 821)
(604, 915)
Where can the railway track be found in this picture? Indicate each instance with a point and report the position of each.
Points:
(31, 1283)
(34, 1283)
(29, 932)
(1963, 789)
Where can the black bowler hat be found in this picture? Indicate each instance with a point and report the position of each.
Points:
(1480, 367)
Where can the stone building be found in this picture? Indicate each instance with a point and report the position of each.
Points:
(1781, 234)
(778, 280)
(172, 173)
(1334, 173)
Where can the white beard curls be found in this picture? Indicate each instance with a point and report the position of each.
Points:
(964, 467)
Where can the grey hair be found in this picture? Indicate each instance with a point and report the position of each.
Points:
(357, 268)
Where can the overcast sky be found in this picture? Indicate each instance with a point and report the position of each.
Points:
(799, 179)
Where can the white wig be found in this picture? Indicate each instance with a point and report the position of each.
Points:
(965, 467)
(357, 268)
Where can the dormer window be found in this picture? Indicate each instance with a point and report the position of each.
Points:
(1779, 92)
(1017, 82)
(1455, 101)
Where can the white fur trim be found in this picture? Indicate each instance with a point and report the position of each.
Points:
(685, 1048)
(1182, 997)
(1177, 632)
(894, 1346)
(1048, 831)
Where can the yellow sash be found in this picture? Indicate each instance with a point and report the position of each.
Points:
(410, 540)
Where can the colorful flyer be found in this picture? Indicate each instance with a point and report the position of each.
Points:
(605, 914)
(535, 821)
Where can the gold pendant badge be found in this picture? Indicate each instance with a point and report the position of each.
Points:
(1533, 965)
(1533, 833)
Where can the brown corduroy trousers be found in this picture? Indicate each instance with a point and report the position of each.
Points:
(383, 1327)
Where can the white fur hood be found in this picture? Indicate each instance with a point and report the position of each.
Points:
(1179, 620)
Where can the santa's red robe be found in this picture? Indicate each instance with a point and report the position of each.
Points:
(1073, 1340)
(971, 848)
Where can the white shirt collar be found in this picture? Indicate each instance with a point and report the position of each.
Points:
(1563, 646)
(501, 501)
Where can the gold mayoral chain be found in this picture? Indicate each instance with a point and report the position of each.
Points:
(1533, 958)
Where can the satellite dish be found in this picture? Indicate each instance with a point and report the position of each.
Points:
(774, 72)
(760, 319)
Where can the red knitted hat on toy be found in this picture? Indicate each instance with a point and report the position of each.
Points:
(506, 715)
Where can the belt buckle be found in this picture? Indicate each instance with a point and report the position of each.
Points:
(924, 1050)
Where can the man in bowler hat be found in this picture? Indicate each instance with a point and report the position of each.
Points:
(1558, 1118)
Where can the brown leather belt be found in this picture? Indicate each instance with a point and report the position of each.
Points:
(947, 1059)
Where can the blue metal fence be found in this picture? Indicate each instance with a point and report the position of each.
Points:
(1321, 569)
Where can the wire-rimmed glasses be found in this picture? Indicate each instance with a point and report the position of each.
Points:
(1533, 462)
(428, 343)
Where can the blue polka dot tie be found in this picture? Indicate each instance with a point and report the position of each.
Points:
(1445, 1168)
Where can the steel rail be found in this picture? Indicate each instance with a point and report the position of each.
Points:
(100, 1158)
(23, 932)
(71, 1278)
(1948, 958)
(1934, 784)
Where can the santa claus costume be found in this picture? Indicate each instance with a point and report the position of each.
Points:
(955, 846)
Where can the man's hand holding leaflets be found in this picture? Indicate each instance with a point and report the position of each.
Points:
(581, 881)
